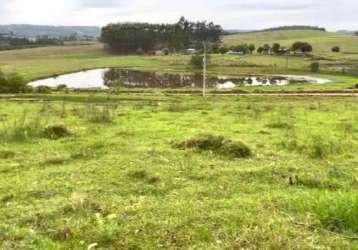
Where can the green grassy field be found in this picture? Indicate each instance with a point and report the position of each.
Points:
(322, 42)
(44, 62)
(111, 173)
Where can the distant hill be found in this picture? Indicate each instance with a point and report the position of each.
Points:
(27, 30)
(235, 31)
(294, 27)
(281, 28)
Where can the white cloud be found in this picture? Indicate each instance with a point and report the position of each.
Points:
(245, 14)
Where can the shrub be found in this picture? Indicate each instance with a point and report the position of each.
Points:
(61, 87)
(218, 145)
(303, 47)
(139, 51)
(223, 50)
(56, 131)
(315, 67)
(197, 61)
(12, 83)
(336, 49)
(43, 90)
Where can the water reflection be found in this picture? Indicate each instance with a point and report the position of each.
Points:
(142, 79)
(105, 78)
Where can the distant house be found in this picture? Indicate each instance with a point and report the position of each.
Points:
(283, 51)
(191, 51)
(235, 53)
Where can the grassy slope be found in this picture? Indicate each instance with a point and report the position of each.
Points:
(122, 184)
(321, 41)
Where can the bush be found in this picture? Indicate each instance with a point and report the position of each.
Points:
(315, 67)
(56, 131)
(197, 61)
(218, 145)
(336, 49)
(223, 50)
(61, 87)
(303, 47)
(43, 90)
(12, 83)
(139, 51)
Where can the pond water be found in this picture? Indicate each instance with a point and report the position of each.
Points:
(108, 77)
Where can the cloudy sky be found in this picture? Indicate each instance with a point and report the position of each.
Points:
(231, 14)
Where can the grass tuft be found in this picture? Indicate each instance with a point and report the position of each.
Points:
(218, 145)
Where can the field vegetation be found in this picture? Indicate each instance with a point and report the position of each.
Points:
(229, 173)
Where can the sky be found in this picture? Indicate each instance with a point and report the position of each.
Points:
(231, 14)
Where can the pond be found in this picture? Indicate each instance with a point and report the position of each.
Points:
(112, 77)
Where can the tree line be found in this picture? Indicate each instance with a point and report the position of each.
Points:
(126, 38)
(274, 49)
(9, 43)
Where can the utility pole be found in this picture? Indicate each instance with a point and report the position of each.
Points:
(204, 70)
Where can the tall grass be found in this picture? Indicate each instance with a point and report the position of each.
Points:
(98, 114)
(21, 129)
(336, 212)
(26, 128)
